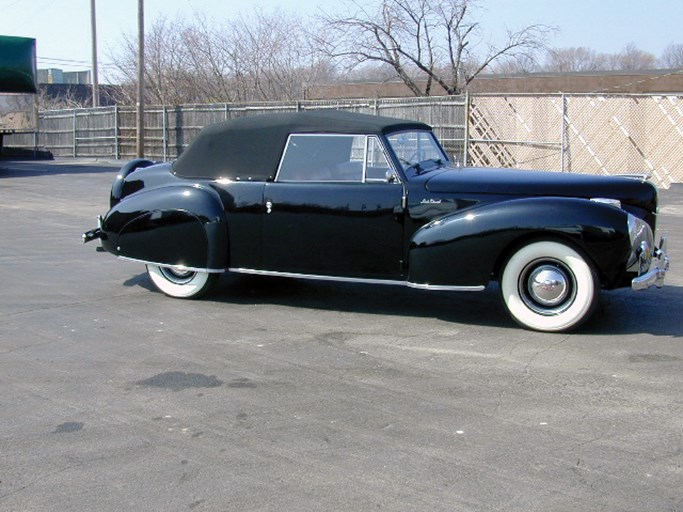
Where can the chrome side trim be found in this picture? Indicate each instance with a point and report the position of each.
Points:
(607, 200)
(315, 277)
(444, 287)
(178, 267)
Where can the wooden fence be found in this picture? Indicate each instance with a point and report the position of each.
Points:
(597, 134)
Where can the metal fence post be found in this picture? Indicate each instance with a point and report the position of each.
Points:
(466, 141)
(74, 134)
(36, 113)
(164, 136)
(116, 132)
(563, 134)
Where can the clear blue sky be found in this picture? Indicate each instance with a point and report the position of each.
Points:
(62, 27)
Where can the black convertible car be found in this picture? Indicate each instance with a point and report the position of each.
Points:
(351, 197)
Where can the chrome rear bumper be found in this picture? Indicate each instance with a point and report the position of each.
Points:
(93, 234)
(657, 271)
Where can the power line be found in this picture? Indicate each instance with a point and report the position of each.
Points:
(42, 8)
(85, 63)
(64, 61)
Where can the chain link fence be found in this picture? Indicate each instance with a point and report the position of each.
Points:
(596, 134)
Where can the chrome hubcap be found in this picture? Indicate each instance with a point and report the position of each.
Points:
(176, 275)
(547, 287)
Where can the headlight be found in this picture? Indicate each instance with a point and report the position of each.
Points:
(641, 237)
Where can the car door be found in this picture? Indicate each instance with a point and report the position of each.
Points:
(334, 209)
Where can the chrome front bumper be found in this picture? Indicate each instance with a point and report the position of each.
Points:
(659, 265)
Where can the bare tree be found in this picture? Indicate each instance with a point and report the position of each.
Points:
(67, 99)
(631, 58)
(210, 55)
(260, 56)
(275, 57)
(426, 42)
(673, 56)
(166, 72)
(524, 64)
(575, 60)
(372, 72)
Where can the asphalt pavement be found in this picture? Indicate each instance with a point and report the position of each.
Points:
(284, 395)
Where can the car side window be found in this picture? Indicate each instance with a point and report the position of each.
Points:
(334, 158)
(377, 167)
(322, 158)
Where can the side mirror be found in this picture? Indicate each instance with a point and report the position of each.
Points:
(390, 176)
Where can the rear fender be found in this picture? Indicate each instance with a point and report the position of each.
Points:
(465, 248)
(118, 187)
(175, 225)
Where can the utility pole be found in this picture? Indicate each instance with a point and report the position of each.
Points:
(141, 81)
(95, 80)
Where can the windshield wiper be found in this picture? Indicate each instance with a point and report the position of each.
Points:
(418, 168)
(408, 165)
(435, 164)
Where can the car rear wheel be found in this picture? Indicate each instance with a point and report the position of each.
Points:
(181, 283)
(548, 286)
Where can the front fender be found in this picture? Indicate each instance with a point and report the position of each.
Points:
(174, 225)
(464, 248)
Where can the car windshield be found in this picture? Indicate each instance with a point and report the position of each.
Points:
(418, 151)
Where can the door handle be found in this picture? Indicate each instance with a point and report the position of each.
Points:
(269, 206)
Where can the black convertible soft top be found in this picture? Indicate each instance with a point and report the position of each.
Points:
(249, 148)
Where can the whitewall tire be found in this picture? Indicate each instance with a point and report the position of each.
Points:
(548, 286)
(179, 283)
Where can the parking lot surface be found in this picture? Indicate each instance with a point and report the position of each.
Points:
(283, 395)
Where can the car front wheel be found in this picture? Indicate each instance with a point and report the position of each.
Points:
(548, 286)
(180, 283)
